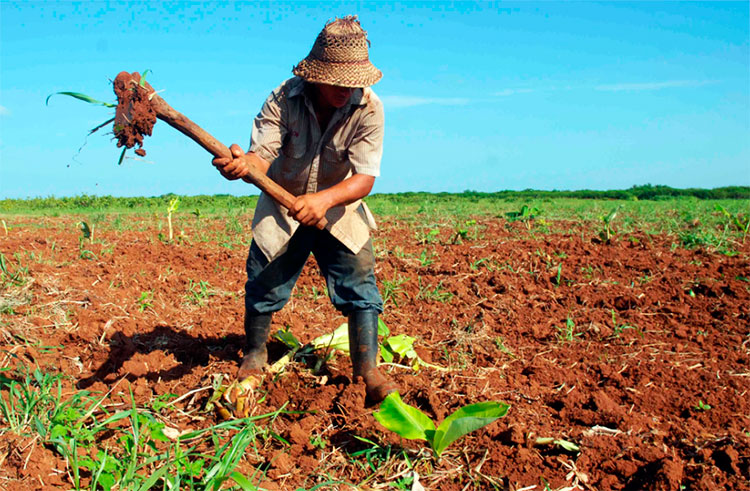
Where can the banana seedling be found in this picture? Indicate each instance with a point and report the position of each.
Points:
(400, 347)
(236, 399)
(411, 423)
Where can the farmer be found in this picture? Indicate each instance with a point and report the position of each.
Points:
(320, 136)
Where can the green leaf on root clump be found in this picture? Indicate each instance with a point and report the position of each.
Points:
(82, 97)
(142, 81)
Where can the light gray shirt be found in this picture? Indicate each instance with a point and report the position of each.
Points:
(305, 159)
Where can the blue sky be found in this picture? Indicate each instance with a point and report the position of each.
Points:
(488, 97)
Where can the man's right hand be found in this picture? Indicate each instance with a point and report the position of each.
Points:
(234, 168)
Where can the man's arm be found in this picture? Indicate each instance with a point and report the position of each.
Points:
(309, 209)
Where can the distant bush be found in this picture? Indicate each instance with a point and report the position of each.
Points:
(228, 202)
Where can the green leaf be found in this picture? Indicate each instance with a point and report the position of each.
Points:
(569, 446)
(465, 420)
(382, 328)
(151, 481)
(243, 482)
(82, 97)
(101, 125)
(289, 339)
(339, 339)
(142, 81)
(58, 432)
(403, 345)
(122, 156)
(107, 480)
(404, 420)
(386, 353)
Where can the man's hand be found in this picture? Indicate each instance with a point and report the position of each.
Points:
(235, 168)
(309, 209)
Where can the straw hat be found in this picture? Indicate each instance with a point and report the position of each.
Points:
(339, 56)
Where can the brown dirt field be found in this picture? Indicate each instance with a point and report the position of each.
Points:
(653, 330)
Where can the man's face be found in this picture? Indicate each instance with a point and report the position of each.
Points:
(332, 95)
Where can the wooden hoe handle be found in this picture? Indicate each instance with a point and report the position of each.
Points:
(182, 123)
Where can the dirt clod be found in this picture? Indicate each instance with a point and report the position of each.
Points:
(134, 116)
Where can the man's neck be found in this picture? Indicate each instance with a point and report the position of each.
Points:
(323, 111)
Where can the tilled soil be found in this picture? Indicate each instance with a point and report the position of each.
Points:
(619, 348)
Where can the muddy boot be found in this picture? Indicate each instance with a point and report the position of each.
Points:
(257, 327)
(363, 345)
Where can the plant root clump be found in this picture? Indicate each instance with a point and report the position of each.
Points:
(134, 116)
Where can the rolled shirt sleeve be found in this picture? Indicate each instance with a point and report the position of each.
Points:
(268, 128)
(366, 149)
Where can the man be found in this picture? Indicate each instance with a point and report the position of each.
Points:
(320, 136)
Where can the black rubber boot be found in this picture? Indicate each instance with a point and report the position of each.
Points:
(257, 327)
(363, 346)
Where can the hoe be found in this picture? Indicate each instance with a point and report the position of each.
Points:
(138, 108)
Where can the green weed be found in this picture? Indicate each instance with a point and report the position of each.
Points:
(740, 221)
(30, 394)
(437, 293)
(18, 277)
(617, 327)
(466, 231)
(500, 343)
(429, 237)
(701, 406)
(567, 333)
(426, 258)
(393, 288)
(199, 292)
(146, 300)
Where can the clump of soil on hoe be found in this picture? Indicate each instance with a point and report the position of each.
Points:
(134, 116)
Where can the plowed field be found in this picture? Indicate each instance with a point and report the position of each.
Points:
(635, 351)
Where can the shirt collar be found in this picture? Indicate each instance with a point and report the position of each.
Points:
(357, 98)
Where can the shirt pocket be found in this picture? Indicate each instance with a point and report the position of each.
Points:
(334, 154)
(295, 144)
(336, 165)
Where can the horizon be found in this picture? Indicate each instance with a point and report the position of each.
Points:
(464, 192)
(478, 96)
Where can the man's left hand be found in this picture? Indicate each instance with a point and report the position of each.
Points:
(309, 209)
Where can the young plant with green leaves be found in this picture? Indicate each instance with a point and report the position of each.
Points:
(702, 406)
(198, 292)
(392, 348)
(411, 423)
(607, 231)
(12, 276)
(525, 215)
(437, 293)
(742, 222)
(465, 231)
(87, 234)
(401, 347)
(174, 203)
(567, 333)
(146, 300)
(392, 289)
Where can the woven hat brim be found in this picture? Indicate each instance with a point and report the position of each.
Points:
(353, 75)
